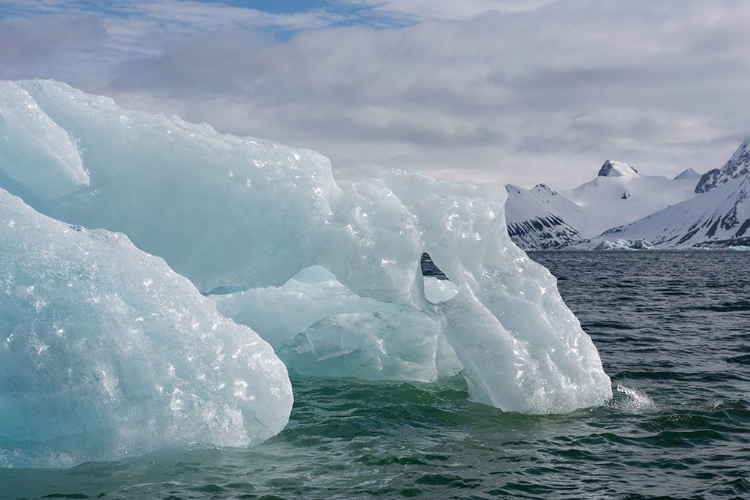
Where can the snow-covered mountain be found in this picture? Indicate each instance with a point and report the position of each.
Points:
(717, 218)
(541, 218)
(622, 207)
(620, 195)
(688, 174)
(737, 166)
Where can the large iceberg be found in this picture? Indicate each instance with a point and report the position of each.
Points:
(244, 216)
(106, 353)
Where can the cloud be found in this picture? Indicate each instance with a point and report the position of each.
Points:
(27, 42)
(495, 91)
(50, 46)
(408, 11)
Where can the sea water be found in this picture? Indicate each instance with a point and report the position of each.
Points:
(673, 332)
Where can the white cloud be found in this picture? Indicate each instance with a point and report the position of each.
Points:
(543, 93)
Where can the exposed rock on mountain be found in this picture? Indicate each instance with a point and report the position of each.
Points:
(541, 218)
(737, 166)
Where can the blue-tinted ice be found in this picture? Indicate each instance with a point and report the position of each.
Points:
(243, 214)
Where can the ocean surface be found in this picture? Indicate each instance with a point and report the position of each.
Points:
(673, 332)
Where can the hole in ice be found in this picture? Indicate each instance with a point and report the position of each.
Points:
(429, 268)
(437, 286)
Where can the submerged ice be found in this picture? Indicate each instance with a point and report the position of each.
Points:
(106, 353)
(246, 216)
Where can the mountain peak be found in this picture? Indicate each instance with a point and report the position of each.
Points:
(743, 150)
(616, 169)
(543, 188)
(511, 187)
(687, 174)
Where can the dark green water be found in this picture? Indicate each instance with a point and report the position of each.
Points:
(673, 331)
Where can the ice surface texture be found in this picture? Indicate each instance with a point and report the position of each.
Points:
(209, 204)
(319, 327)
(240, 214)
(521, 348)
(106, 353)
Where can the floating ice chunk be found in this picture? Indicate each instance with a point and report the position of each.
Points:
(106, 353)
(167, 185)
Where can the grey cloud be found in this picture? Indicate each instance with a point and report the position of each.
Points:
(25, 42)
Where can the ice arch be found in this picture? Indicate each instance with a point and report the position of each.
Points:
(236, 213)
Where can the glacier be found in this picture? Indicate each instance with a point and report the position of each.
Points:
(107, 353)
(621, 244)
(330, 277)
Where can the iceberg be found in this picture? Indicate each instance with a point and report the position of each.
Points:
(107, 353)
(245, 216)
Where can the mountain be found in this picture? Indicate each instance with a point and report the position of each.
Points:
(719, 217)
(623, 208)
(737, 166)
(688, 174)
(541, 218)
(620, 195)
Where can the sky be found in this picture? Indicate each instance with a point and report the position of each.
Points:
(499, 91)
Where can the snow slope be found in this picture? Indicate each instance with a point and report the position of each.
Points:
(719, 217)
(541, 218)
(620, 195)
